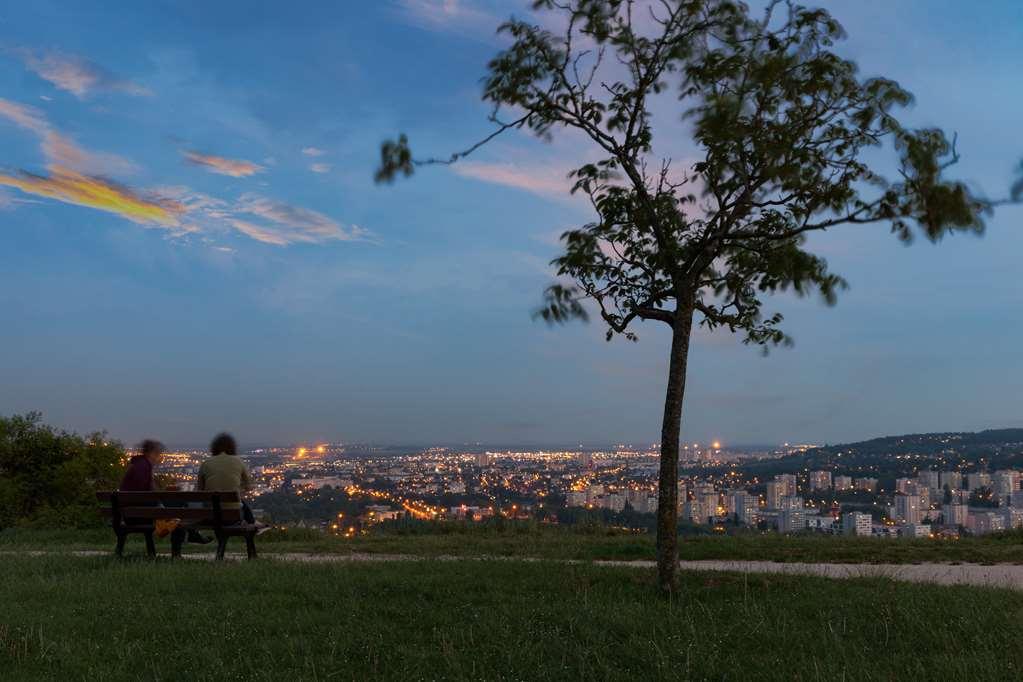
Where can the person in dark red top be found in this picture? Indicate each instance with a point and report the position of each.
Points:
(139, 475)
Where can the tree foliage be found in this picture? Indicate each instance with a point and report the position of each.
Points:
(48, 477)
(784, 127)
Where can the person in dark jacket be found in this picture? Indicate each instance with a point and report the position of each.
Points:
(138, 477)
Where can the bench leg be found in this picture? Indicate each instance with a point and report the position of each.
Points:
(177, 539)
(150, 545)
(250, 544)
(121, 537)
(221, 546)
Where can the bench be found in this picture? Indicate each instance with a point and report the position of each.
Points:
(137, 512)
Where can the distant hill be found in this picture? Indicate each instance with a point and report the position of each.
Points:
(889, 457)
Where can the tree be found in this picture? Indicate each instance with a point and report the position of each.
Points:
(783, 126)
(49, 477)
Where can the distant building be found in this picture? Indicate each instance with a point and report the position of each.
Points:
(978, 480)
(856, 523)
(792, 519)
(867, 484)
(584, 459)
(820, 480)
(821, 524)
(953, 480)
(638, 500)
(705, 503)
(1012, 517)
(483, 460)
(575, 498)
(788, 482)
(843, 483)
(1005, 482)
(614, 502)
(747, 507)
(791, 502)
(915, 530)
(905, 485)
(908, 509)
(775, 491)
(984, 522)
(593, 493)
(955, 514)
(931, 479)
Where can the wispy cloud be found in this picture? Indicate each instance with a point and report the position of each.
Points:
(265, 220)
(538, 179)
(313, 151)
(320, 167)
(71, 187)
(236, 168)
(260, 234)
(446, 15)
(285, 224)
(61, 150)
(77, 75)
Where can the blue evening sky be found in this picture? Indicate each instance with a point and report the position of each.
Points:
(198, 244)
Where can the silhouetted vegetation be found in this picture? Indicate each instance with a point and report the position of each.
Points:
(48, 476)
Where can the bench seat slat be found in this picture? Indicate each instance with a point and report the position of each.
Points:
(231, 529)
(228, 515)
(128, 498)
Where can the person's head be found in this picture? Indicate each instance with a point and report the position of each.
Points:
(152, 450)
(223, 444)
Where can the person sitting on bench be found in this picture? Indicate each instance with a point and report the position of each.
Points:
(225, 471)
(138, 477)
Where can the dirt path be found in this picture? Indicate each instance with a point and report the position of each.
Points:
(996, 575)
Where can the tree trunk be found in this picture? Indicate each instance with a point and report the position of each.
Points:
(671, 426)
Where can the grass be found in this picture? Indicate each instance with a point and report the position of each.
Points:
(103, 619)
(567, 543)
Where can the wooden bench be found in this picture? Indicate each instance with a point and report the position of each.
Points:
(137, 512)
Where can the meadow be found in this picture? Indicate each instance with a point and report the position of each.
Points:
(98, 618)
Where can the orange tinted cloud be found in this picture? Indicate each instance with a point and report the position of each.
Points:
(59, 149)
(236, 168)
(74, 188)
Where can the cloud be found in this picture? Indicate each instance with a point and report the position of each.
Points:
(59, 149)
(72, 187)
(446, 15)
(265, 220)
(320, 167)
(77, 75)
(236, 168)
(260, 234)
(313, 151)
(538, 179)
(287, 224)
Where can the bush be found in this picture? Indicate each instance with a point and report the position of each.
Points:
(48, 477)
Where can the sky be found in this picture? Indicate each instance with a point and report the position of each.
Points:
(191, 241)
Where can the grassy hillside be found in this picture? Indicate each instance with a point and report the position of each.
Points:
(97, 618)
(566, 543)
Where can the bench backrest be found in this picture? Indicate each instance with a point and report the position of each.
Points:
(160, 504)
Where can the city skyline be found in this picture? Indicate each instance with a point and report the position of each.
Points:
(196, 244)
